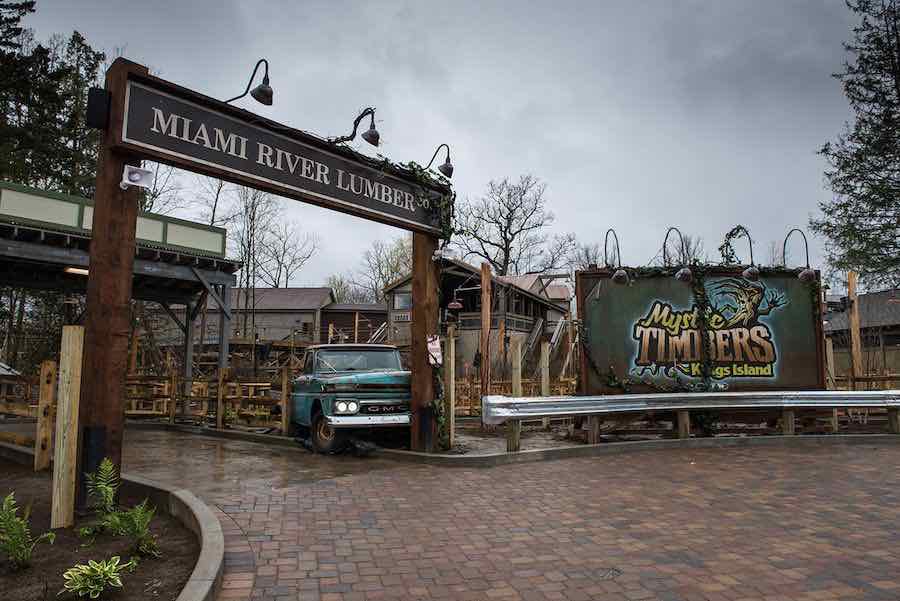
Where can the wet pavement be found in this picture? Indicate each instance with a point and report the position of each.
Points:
(748, 524)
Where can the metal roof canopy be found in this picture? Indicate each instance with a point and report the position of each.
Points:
(37, 257)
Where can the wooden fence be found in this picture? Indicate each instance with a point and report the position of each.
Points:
(468, 392)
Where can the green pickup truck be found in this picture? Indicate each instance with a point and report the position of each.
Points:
(346, 387)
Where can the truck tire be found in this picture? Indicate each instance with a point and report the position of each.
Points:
(325, 439)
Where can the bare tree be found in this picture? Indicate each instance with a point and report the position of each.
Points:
(508, 228)
(776, 254)
(383, 263)
(584, 255)
(283, 251)
(164, 195)
(347, 291)
(212, 196)
(693, 251)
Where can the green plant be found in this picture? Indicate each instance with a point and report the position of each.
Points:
(103, 486)
(135, 524)
(16, 541)
(95, 577)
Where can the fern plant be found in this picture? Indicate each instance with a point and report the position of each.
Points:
(135, 524)
(103, 487)
(16, 541)
(94, 578)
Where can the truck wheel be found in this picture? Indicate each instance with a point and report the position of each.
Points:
(325, 439)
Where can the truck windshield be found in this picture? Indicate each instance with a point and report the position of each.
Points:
(357, 360)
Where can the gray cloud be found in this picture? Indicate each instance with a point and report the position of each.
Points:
(638, 115)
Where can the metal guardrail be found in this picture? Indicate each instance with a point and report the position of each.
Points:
(497, 410)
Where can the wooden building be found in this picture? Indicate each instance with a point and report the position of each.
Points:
(879, 321)
(516, 313)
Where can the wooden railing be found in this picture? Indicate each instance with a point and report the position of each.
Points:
(468, 392)
(20, 400)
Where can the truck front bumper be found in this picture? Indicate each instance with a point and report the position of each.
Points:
(367, 421)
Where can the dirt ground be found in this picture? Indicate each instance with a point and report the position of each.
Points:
(154, 579)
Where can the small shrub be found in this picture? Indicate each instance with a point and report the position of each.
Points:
(16, 541)
(102, 487)
(135, 524)
(95, 577)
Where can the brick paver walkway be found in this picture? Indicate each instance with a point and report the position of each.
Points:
(717, 525)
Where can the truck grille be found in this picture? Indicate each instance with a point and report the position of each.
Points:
(384, 409)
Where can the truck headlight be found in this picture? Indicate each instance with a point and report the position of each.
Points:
(346, 407)
(342, 407)
(352, 407)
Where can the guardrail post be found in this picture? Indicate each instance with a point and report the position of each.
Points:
(684, 424)
(286, 401)
(513, 436)
(894, 420)
(545, 377)
(787, 422)
(593, 436)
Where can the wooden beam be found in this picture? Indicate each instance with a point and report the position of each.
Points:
(545, 376)
(485, 349)
(425, 313)
(223, 303)
(65, 451)
(45, 414)
(450, 381)
(356, 326)
(513, 436)
(220, 398)
(516, 359)
(17, 438)
(829, 363)
(856, 367)
(174, 317)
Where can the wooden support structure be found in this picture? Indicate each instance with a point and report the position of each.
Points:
(593, 433)
(513, 436)
(684, 424)
(173, 391)
(787, 422)
(286, 401)
(108, 313)
(485, 348)
(425, 314)
(450, 382)
(65, 455)
(829, 363)
(220, 398)
(190, 316)
(856, 367)
(44, 434)
(545, 376)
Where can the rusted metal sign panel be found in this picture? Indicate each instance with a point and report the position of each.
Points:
(195, 132)
(719, 332)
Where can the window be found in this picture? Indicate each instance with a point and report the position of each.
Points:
(402, 301)
(357, 360)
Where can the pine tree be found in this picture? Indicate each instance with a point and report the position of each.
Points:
(862, 220)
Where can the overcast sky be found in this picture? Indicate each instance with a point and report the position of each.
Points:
(637, 115)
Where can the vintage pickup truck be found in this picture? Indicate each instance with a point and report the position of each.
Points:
(349, 386)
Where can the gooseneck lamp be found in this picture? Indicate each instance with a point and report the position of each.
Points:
(447, 167)
(684, 274)
(371, 135)
(263, 92)
(619, 276)
(807, 274)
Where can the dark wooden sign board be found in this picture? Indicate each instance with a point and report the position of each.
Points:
(150, 118)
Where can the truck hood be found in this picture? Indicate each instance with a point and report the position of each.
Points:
(364, 379)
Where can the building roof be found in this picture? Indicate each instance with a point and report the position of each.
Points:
(354, 307)
(280, 299)
(532, 282)
(448, 263)
(876, 309)
(6, 370)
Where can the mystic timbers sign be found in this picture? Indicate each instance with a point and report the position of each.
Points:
(720, 332)
(187, 129)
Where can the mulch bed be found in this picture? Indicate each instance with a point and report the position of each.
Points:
(154, 579)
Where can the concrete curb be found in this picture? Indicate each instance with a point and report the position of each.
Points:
(206, 578)
(568, 452)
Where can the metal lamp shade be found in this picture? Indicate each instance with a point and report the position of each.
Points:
(620, 276)
(454, 305)
(807, 275)
(684, 275)
(263, 92)
(371, 136)
(751, 273)
(447, 168)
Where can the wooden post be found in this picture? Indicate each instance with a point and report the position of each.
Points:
(108, 313)
(188, 384)
(173, 390)
(44, 435)
(513, 436)
(285, 401)
(545, 376)
(829, 362)
(356, 327)
(514, 427)
(65, 452)
(787, 422)
(856, 368)
(684, 424)
(593, 436)
(894, 420)
(425, 313)
(220, 398)
(450, 381)
(485, 331)
(330, 332)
